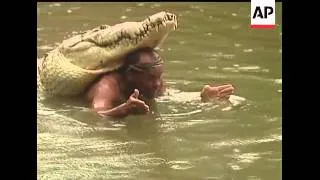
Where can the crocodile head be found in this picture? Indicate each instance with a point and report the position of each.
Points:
(105, 46)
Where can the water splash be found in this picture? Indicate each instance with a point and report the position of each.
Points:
(180, 165)
(55, 5)
(140, 4)
(156, 5)
(212, 67)
(278, 81)
(235, 26)
(245, 142)
(128, 9)
(247, 50)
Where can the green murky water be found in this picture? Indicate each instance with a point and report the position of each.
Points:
(185, 139)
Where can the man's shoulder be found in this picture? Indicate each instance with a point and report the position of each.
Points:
(107, 84)
(110, 78)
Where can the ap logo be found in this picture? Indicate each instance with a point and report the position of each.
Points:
(263, 13)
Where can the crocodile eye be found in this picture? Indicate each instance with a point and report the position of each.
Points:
(170, 17)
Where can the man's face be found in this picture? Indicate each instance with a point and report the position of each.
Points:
(148, 81)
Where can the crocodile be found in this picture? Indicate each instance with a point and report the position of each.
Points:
(70, 68)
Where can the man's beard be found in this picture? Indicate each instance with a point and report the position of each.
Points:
(143, 91)
(149, 94)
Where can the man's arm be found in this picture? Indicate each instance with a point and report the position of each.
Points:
(103, 106)
(103, 98)
(106, 92)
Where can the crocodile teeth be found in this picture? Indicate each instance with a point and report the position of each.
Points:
(145, 27)
(165, 18)
(142, 31)
(164, 24)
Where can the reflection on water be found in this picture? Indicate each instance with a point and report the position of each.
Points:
(183, 139)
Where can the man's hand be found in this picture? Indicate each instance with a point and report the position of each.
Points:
(134, 102)
(221, 92)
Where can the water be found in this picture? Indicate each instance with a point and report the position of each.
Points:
(184, 139)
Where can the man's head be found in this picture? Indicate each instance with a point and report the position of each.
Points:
(143, 71)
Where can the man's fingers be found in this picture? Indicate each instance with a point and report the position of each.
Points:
(220, 88)
(137, 101)
(147, 108)
(227, 90)
(141, 105)
(135, 93)
(206, 86)
(224, 97)
(226, 93)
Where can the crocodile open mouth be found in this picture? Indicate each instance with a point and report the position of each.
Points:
(102, 46)
(137, 33)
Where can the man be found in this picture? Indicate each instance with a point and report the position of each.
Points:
(131, 89)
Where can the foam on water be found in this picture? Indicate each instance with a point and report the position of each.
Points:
(244, 142)
(247, 50)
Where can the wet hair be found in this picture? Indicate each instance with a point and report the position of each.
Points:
(132, 60)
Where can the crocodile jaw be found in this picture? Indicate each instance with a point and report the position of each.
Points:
(107, 45)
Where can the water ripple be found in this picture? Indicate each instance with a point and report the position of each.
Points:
(245, 142)
(55, 5)
(247, 50)
(180, 165)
